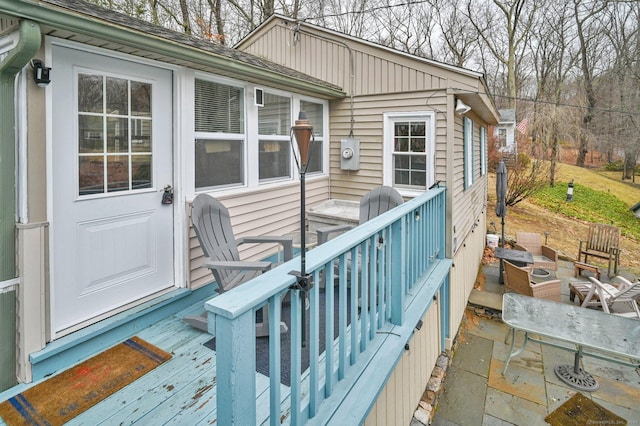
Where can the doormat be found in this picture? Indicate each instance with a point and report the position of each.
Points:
(262, 343)
(66, 395)
(580, 410)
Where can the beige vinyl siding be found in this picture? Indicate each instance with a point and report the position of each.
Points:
(375, 69)
(466, 262)
(369, 122)
(400, 397)
(272, 211)
(467, 204)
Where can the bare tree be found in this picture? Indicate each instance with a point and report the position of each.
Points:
(504, 27)
(408, 28)
(554, 59)
(622, 80)
(459, 37)
(589, 32)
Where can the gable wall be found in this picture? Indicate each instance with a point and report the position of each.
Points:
(375, 70)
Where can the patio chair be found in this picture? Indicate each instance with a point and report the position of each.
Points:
(598, 294)
(375, 202)
(544, 257)
(603, 241)
(372, 204)
(212, 225)
(519, 280)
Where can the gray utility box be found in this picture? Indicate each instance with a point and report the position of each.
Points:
(333, 212)
(350, 154)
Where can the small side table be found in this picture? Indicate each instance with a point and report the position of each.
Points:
(578, 267)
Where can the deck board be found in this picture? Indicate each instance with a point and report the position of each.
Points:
(191, 361)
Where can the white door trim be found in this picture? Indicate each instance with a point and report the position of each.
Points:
(179, 211)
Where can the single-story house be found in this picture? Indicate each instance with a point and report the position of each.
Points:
(110, 126)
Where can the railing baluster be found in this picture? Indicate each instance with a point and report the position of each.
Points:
(328, 331)
(314, 343)
(275, 311)
(296, 357)
(342, 316)
(373, 277)
(355, 291)
(364, 296)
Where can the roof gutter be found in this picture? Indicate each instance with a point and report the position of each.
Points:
(69, 20)
(25, 49)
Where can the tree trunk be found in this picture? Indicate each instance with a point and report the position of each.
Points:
(186, 23)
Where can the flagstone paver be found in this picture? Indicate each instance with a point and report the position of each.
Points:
(518, 381)
(465, 406)
(513, 409)
(475, 356)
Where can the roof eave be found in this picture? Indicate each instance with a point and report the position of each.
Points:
(69, 20)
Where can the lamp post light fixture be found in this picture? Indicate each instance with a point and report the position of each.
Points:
(302, 132)
(570, 191)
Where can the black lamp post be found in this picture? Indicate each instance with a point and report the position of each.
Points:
(302, 131)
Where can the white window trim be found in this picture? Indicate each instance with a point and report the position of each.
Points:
(252, 181)
(387, 143)
(467, 132)
(483, 151)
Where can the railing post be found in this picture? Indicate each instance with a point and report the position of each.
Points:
(235, 367)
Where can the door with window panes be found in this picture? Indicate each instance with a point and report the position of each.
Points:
(112, 237)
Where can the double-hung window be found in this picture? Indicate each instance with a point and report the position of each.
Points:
(220, 135)
(274, 124)
(409, 151)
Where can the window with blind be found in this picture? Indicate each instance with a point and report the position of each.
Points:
(220, 145)
(274, 125)
(315, 114)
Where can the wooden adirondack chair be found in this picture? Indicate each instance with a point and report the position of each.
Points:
(603, 241)
(375, 202)
(212, 225)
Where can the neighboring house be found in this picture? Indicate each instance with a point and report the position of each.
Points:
(636, 209)
(134, 110)
(505, 131)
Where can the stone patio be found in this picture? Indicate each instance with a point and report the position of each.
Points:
(473, 391)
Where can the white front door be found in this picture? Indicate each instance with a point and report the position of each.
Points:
(112, 156)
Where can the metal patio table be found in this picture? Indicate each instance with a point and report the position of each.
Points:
(614, 338)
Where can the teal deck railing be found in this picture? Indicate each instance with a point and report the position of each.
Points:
(385, 275)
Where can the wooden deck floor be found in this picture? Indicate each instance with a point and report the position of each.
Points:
(182, 391)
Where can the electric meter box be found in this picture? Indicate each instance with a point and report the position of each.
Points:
(350, 154)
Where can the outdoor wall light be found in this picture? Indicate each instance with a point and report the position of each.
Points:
(40, 73)
(461, 107)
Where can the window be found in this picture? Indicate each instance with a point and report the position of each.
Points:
(315, 115)
(114, 134)
(220, 135)
(502, 137)
(240, 144)
(274, 125)
(483, 151)
(468, 152)
(409, 151)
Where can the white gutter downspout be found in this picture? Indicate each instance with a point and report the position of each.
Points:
(26, 48)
